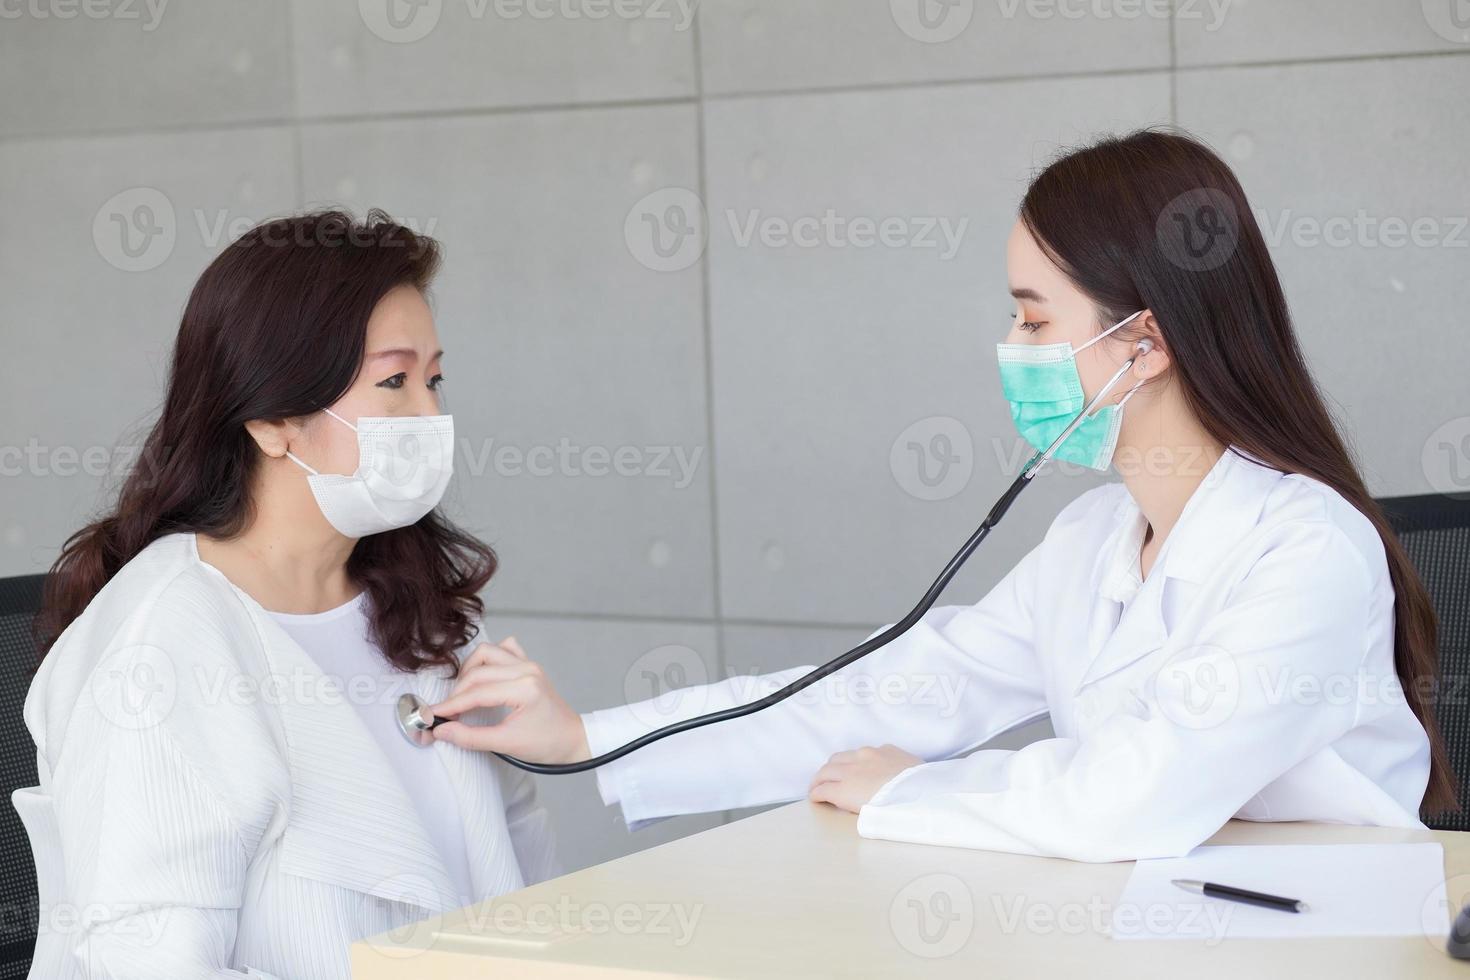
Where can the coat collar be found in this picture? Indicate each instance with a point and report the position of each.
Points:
(1220, 512)
(352, 823)
(1226, 504)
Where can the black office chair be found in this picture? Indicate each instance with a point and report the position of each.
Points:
(1435, 531)
(20, 598)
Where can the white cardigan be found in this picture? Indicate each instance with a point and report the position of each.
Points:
(211, 804)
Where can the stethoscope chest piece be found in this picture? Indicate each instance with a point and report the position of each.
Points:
(414, 720)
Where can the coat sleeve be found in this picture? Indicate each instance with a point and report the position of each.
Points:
(162, 787)
(962, 675)
(1159, 780)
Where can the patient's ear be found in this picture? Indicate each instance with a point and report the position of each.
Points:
(273, 437)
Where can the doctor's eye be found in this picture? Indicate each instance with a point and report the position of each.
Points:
(1030, 326)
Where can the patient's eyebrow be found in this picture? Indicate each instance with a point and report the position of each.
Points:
(408, 352)
(1028, 294)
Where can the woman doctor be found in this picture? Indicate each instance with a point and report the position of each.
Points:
(1231, 631)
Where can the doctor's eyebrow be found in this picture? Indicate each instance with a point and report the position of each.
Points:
(1028, 294)
(403, 351)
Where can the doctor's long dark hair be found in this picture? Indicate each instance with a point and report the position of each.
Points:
(275, 328)
(1155, 220)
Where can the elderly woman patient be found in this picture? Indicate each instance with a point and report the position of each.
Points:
(223, 790)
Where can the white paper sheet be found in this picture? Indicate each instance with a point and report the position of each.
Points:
(1350, 890)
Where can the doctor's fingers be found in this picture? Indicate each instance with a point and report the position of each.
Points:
(833, 771)
(518, 691)
(491, 653)
(509, 643)
(493, 672)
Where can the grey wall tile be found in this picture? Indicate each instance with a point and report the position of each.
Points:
(69, 67)
(1346, 165)
(352, 59)
(765, 649)
(97, 258)
(556, 337)
(1234, 31)
(761, 45)
(600, 664)
(840, 370)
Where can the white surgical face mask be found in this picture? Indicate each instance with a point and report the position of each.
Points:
(403, 466)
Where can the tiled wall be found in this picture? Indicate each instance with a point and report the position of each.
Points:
(698, 462)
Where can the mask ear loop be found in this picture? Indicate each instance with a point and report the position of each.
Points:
(293, 457)
(1115, 326)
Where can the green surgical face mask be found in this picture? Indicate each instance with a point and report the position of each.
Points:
(1045, 391)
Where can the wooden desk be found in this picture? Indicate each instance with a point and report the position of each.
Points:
(795, 892)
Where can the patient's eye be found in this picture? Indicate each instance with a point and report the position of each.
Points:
(394, 382)
(436, 382)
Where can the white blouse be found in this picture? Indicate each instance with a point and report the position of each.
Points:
(339, 640)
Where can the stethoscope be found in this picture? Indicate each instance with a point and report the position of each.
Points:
(417, 724)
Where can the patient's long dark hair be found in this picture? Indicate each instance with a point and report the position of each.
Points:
(1155, 220)
(275, 329)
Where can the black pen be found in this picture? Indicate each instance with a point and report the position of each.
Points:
(1213, 890)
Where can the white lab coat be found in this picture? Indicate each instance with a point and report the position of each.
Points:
(212, 805)
(1251, 675)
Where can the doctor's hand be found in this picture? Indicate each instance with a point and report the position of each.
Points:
(540, 726)
(850, 779)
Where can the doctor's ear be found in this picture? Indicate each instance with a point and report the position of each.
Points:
(1151, 354)
(274, 436)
